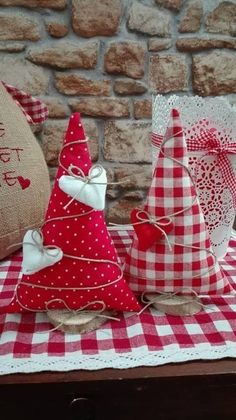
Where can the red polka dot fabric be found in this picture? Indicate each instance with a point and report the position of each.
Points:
(81, 232)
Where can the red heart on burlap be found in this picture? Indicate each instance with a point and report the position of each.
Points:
(147, 232)
(24, 182)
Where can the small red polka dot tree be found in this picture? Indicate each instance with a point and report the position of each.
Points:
(85, 272)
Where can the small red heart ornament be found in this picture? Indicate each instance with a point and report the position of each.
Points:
(147, 232)
(24, 182)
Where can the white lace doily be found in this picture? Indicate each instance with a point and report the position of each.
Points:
(215, 197)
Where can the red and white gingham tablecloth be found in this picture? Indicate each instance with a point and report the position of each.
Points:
(151, 339)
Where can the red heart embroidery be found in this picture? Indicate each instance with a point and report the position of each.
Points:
(146, 232)
(24, 182)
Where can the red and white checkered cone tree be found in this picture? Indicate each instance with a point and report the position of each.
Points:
(181, 258)
(79, 231)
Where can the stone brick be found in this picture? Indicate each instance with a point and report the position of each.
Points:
(155, 44)
(148, 20)
(134, 176)
(222, 19)
(56, 107)
(92, 133)
(143, 109)
(134, 181)
(120, 211)
(110, 175)
(129, 87)
(191, 21)
(52, 174)
(170, 4)
(19, 72)
(36, 129)
(133, 195)
(65, 55)
(127, 58)
(127, 142)
(112, 191)
(57, 29)
(12, 47)
(199, 44)
(96, 18)
(18, 27)
(52, 139)
(168, 73)
(214, 73)
(75, 84)
(101, 107)
(49, 4)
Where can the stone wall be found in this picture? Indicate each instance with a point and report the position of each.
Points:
(105, 58)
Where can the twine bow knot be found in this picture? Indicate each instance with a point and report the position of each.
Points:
(94, 172)
(159, 295)
(160, 222)
(36, 255)
(74, 171)
(73, 314)
(152, 220)
(37, 241)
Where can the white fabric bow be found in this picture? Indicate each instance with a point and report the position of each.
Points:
(35, 255)
(89, 190)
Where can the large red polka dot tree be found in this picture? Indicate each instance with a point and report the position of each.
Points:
(71, 263)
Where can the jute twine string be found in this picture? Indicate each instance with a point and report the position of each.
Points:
(79, 174)
(159, 222)
(86, 179)
(185, 209)
(149, 218)
(170, 295)
(39, 243)
(72, 314)
(44, 249)
(170, 217)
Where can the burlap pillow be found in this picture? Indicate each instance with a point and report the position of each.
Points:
(24, 179)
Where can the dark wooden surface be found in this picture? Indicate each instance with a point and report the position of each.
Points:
(194, 391)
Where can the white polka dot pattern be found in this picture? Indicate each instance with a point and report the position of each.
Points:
(73, 280)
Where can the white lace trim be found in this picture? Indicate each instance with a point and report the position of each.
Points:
(108, 359)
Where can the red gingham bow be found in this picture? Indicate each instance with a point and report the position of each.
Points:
(208, 141)
(34, 110)
(156, 139)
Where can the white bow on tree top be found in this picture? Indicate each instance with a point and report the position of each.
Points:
(36, 256)
(89, 190)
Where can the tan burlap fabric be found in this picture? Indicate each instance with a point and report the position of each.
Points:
(24, 179)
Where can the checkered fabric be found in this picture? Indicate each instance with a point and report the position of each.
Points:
(27, 345)
(189, 264)
(35, 110)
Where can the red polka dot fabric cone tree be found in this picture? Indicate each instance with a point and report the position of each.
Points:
(171, 249)
(72, 263)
